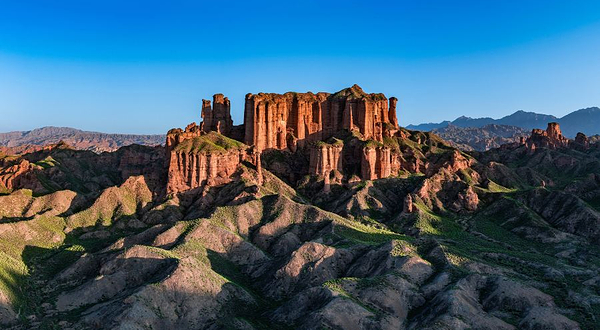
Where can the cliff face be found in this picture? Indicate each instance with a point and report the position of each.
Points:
(376, 163)
(325, 158)
(208, 159)
(279, 121)
(296, 122)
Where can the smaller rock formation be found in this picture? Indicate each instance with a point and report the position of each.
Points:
(409, 206)
(11, 176)
(176, 135)
(201, 159)
(581, 142)
(551, 138)
(218, 118)
(376, 162)
(325, 157)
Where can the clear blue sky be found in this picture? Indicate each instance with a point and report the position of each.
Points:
(143, 67)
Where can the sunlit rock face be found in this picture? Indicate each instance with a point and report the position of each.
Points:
(271, 120)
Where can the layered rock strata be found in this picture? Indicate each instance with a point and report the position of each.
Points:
(376, 162)
(271, 121)
(551, 138)
(325, 158)
(204, 160)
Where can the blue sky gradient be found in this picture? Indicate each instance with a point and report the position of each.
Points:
(143, 67)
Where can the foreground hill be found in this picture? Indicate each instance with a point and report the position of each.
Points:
(171, 238)
(23, 141)
(583, 120)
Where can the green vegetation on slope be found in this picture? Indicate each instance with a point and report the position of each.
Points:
(209, 143)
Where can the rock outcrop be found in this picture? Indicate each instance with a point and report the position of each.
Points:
(325, 157)
(551, 138)
(376, 162)
(581, 142)
(289, 121)
(205, 159)
(217, 118)
(176, 135)
(272, 120)
(12, 176)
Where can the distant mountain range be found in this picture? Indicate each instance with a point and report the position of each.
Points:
(584, 120)
(481, 138)
(78, 139)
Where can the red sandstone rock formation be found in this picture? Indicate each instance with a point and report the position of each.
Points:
(376, 162)
(290, 121)
(408, 206)
(218, 118)
(325, 158)
(581, 142)
(10, 176)
(273, 120)
(208, 159)
(551, 138)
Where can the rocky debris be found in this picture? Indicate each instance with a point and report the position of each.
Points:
(459, 308)
(130, 269)
(547, 318)
(311, 264)
(7, 314)
(565, 212)
(191, 296)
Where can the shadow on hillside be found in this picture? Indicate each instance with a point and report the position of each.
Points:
(83, 280)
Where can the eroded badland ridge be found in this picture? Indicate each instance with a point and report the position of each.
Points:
(319, 211)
